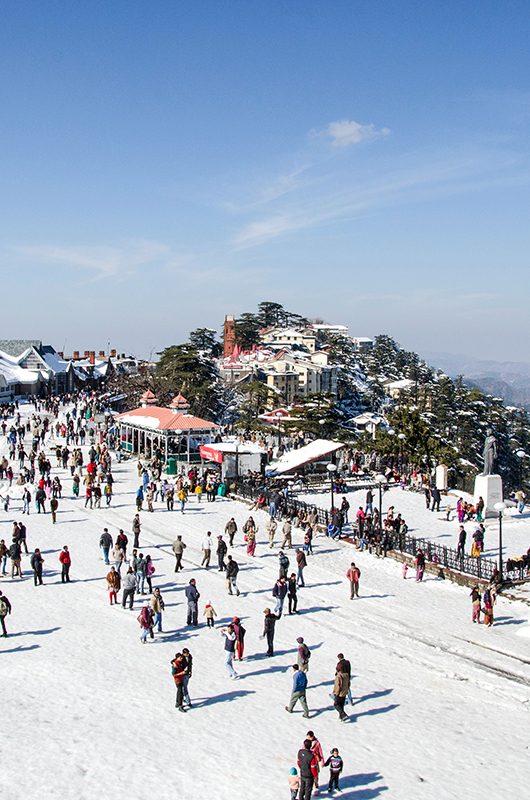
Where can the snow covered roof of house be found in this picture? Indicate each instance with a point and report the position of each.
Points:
(15, 347)
(56, 363)
(295, 459)
(14, 373)
(164, 419)
(368, 419)
(404, 383)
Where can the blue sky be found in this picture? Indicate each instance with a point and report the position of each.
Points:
(165, 163)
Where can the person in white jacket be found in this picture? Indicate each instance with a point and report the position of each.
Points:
(206, 550)
(230, 646)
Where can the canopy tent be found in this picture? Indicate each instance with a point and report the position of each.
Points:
(295, 459)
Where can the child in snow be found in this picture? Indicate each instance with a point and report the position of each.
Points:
(404, 570)
(335, 765)
(294, 783)
(209, 613)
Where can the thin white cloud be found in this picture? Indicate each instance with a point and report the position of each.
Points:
(414, 182)
(102, 261)
(346, 132)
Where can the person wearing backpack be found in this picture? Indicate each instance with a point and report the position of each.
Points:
(5, 609)
(36, 562)
(304, 654)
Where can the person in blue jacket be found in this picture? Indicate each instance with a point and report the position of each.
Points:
(299, 691)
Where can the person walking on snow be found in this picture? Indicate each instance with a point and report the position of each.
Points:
(178, 549)
(66, 561)
(298, 691)
(178, 670)
(232, 569)
(475, 604)
(5, 609)
(240, 632)
(279, 592)
(209, 614)
(157, 606)
(316, 749)
(206, 550)
(420, 566)
(221, 553)
(129, 588)
(136, 527)
(145, 618)
(304, 654)
(188, 670)
(36, 562)
(269, 622)
(113, 584)
(353, 574)
(192, 596)
(292, 596)
(231, 530)
(105, 542)
(335, 764)
(229, 648)
(301, 561)
(308, 766)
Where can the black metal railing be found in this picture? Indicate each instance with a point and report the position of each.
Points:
(446, 557)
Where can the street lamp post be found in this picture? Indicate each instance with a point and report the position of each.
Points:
(380, 479)
(331, 468)
(499, 508)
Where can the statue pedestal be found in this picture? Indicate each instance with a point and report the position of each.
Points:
(441, 477)
(489, 487)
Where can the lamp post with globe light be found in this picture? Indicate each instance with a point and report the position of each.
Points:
(499, 508)
(380, 480)
(331, 468)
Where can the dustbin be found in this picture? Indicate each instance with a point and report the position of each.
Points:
(171, 468)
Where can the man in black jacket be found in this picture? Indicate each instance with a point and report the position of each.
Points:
(192, 596)
(232, 568)
(268, 629)
(221, 553)
(36, 562)
(5, 609)
(308, 765)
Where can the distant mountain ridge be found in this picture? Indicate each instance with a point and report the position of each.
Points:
(509, 380)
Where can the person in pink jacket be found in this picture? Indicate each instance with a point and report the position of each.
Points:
(145, 618)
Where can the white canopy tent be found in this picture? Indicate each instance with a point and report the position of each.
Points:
(295, 459)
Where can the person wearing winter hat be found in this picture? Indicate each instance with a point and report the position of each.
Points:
(294, 782)
(304, 654)
(209, 613)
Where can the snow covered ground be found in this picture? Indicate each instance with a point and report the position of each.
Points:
(441, 706)
(434, 525)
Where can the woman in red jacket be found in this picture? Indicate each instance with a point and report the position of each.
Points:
(178, 670)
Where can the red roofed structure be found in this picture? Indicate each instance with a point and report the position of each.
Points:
(172, 430)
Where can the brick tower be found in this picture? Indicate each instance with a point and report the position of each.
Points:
(229, 336)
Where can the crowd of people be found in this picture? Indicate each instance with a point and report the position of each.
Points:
(58, 444)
